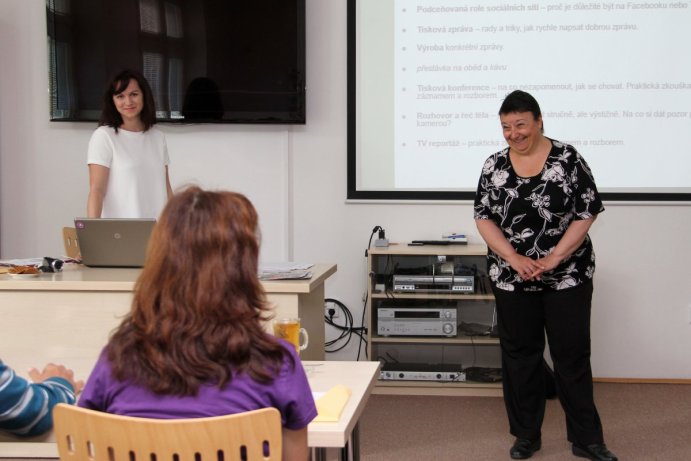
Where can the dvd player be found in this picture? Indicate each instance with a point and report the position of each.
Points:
(430, 283)
(421, 372)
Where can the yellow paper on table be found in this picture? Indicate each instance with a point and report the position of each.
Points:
(330, 405)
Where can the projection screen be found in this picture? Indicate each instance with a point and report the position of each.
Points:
(426, 79)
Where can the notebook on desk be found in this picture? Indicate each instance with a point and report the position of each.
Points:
(108, 242)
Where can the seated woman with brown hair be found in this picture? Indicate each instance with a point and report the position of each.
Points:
(193, 344)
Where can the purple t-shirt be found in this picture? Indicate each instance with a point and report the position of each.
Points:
(290, 393)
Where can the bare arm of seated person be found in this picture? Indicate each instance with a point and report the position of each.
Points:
(295, 445)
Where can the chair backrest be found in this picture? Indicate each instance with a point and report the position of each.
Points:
(69, 239)
(88, 435)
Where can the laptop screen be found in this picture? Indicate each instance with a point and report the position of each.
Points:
(111, 242)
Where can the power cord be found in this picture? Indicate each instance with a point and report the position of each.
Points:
(362, 322)
(347, 329)
(381, 241)
(369, 244)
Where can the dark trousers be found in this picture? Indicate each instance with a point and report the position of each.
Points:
(523, 319)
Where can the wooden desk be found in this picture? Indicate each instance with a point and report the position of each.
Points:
(344, 434)
(67, 317)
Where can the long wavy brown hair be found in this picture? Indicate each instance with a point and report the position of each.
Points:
(198, 304)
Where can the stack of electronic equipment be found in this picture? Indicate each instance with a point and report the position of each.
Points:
(422, 319)
(444, 278)
(410, 317)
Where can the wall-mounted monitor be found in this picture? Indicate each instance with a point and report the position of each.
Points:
(208, 61)
(426, 80)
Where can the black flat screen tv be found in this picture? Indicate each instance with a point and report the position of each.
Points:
(208, 61)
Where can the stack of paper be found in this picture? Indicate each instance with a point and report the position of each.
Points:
(286, 275)
(331, 404)
(285, 271)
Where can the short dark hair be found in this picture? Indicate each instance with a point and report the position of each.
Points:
(520, 101)
(110, 115)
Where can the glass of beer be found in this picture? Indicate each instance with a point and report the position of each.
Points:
(289, 329)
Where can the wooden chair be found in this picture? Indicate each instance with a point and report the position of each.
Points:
(88, 435)
(69, 239)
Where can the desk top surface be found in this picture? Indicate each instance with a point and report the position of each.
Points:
(360, 377)
(81, 278)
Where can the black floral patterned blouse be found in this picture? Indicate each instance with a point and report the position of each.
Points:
(533, 213)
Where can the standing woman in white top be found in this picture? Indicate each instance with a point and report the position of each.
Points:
(128, 157)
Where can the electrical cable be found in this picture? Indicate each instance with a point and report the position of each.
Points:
(362, 322)
(347, 330)
(369, 244)
(380, 231)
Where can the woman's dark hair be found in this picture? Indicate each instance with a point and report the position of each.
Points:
(110, 115)
(199, 308)
(520, 101)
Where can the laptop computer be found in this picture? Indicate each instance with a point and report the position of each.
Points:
(109, 242)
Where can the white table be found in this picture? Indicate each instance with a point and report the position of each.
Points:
(323, 375)
(360, 378)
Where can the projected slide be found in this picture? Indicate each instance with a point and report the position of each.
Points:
(612, 78)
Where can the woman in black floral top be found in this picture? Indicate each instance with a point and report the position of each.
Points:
(535, 203)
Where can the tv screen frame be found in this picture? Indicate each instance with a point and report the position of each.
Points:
(207, 61)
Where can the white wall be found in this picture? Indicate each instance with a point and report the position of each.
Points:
(296, 177)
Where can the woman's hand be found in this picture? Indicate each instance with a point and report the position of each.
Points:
(549, 262)
(570, 241)
(528, 268)
(52, 371)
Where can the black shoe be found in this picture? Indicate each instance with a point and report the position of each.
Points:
(524, 448)
(596, 452)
